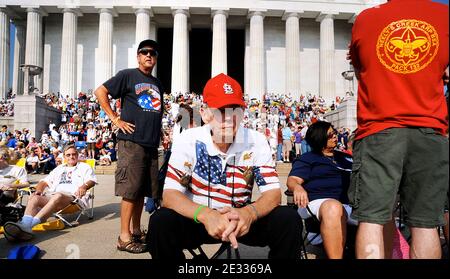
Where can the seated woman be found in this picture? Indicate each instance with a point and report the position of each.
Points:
(66, 183)
(319, 181)
(107, 155)
(32, 161)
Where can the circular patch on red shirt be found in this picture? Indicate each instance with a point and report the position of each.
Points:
(407, 46)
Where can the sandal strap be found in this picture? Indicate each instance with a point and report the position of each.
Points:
(139, 237)
(131, 246)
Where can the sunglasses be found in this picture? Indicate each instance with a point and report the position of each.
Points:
(332, 134)
(146, 51)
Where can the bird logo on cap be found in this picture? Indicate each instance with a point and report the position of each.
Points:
(227, 89)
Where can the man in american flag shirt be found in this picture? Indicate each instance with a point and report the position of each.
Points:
(207, 191)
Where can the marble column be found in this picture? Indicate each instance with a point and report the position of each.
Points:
(68, 76)
(145, 28)
(34, 50)
(219, 44)
(104, 68)
(247, 59)
(153, 36)
(142, 24)
(4, 53)
(19, 56)
(180, 70)
(327, 81)
(257, 60)
(292, 54)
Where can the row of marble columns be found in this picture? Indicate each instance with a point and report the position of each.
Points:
(180, 55)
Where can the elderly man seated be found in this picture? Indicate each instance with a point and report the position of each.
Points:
(67, 183)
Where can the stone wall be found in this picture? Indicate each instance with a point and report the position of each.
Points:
(8, 121)
(33, 113)
(344, 115)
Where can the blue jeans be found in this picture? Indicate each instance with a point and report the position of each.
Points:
(305, 147)
(279, 150)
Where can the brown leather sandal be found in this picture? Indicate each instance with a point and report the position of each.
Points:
(139, 238)
(131, 246)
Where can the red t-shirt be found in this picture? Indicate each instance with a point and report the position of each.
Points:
(401, 51)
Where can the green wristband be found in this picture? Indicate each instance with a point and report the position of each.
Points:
(197, 211)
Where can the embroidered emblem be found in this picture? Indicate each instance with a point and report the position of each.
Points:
(187, 165)
(228, 89)
(247, 156)
(407, 46)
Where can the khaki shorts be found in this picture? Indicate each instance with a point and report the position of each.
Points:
(287, 146)
(91, 146)
(412, 162)
(137, 171)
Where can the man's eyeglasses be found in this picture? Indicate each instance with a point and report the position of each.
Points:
(71, 155)
(146, 51)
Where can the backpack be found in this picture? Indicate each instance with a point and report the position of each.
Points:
(26, 252)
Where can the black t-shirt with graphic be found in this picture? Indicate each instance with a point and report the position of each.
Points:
(141, 105)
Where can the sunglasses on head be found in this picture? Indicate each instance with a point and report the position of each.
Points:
(146, 51)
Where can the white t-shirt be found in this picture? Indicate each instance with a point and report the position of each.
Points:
(194, 153)
(55, 135)
(64, 136)
(68, 179)
(91, 135)
(32, 159)
(176, 131)
(175, 108)
(11, 174)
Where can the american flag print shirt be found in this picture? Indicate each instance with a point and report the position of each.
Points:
(194, 154)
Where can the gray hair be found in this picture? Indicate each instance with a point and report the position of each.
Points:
(69, 146)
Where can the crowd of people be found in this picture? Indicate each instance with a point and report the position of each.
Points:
(86, 125)
(7, 107)
(82, 124)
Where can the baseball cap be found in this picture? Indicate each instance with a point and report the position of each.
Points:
(221, 91)
(148, 43)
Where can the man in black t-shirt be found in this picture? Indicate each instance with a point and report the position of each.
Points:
(139, 122)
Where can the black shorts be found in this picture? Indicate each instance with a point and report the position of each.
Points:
(137, 171)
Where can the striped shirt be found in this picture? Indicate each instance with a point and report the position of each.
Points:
(221, 179)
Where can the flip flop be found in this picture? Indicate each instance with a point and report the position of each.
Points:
(13, 232)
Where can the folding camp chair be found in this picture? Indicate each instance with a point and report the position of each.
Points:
(21, 162)
(75, 207)
(225, 246)
(290, 203)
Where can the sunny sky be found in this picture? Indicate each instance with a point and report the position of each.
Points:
(12, 45)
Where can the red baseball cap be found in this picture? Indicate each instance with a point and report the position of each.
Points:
(221, 91)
